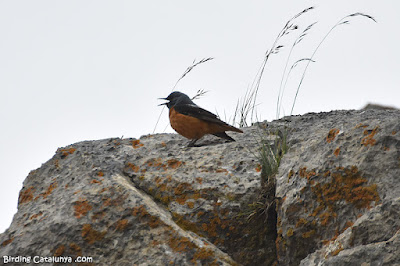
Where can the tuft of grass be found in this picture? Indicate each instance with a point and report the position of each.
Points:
(245, 107)
(270, 154)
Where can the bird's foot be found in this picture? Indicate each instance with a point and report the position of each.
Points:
(192, 143)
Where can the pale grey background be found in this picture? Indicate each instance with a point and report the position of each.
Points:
(82, 70)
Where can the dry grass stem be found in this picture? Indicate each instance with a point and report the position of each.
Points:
(187, 71)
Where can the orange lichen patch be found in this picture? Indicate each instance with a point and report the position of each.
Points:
(290, 174)
(144, 216)
(49, 190)
(75, 249)
(347, 185)
(386, 148)
(36, 216)
(332, 135)
(302, 172)
(157, 163)
(180, 244)
(326, 242)
(301, 222)
(369, 138)
(163, 187)
(91, 235)
(163, 144)
(173, 163)
(187, 225)
(199, 180)
(308, 234)
(204, 226)
(98, 216)
(289, 232)
(117, 201)
(134, 167)
(103, 189)
(95, 181)
(221, 171)
(26, 195)
(326, 216)
(348, 224)
(394, 132)
(100, 173)
(336, 152)
(158, 180)
(306, 174)
(122, 224)
(203, 254)
(335, 252)
(212, 226)
(59, 251)
(181, 192)
(361, 125)
(258, 168)
(66, 152)
(136, 143)
(190, 204)
(82, 207)
(6, 242)
(155, 243)
(57, 163)
(278, 244)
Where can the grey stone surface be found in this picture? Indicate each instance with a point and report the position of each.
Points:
(341, 166)
(152, 201)
(374, 239)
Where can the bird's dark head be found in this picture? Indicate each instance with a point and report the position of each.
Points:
(175, 98)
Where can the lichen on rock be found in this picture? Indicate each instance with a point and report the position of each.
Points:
(152, 201)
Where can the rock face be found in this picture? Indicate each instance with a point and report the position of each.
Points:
(153, 201)
(339, 186)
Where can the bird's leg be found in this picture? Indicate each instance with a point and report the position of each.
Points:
(191, 143)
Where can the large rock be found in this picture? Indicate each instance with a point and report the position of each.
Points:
(150, 201)
(153, 201)
(339, 187)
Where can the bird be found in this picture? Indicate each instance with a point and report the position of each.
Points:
(192, 121)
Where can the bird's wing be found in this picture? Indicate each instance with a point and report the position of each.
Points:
(198, 112)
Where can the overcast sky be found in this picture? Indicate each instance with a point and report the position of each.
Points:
(82, 70)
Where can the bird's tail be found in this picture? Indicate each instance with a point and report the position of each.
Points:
(232, 128)
(223, 135)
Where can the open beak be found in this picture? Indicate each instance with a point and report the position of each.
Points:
(162, 103)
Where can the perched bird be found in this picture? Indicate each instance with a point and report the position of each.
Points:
(194, 122)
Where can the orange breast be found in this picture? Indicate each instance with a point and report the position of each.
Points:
(191, 127)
